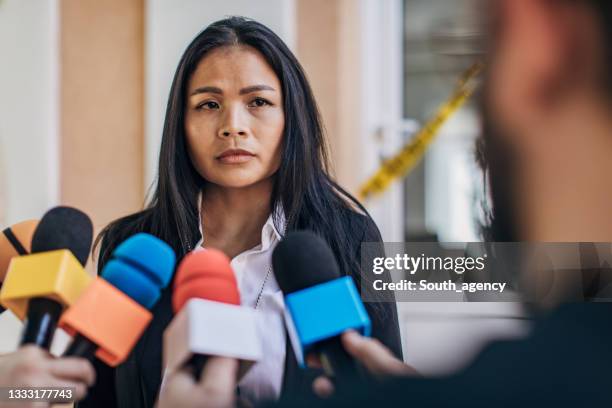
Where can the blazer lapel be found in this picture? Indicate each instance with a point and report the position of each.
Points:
(297, 381)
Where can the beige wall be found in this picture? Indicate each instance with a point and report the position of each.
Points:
(328, 48)
(102, 106)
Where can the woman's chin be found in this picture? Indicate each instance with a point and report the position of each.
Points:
(236, 182)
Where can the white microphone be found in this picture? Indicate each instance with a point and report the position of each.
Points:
(209, 320)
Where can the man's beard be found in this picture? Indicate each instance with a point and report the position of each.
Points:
(498, 163)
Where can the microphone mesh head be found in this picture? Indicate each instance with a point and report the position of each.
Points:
(303, 259)
(205, 275)
(22, 232)
(64, 228)
(141, 267)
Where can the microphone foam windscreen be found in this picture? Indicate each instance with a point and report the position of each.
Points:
(302, 259)
(15, 240)
(206, 275)
(64, 228)
(141, 267)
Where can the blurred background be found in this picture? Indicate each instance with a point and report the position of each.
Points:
(83, 91)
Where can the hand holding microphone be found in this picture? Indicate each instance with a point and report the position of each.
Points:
(216, 387)
(330, 320)
(30, 366)
(37, 287)
(372, 354)
(321, 304)
(212, 340)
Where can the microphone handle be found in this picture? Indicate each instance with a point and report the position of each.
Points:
(43, 315)
(339, 365)
(81, 346)
(196, 364)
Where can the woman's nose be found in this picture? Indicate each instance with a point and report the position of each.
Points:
(233, 124)
(233, 132)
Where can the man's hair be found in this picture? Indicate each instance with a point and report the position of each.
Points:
(603, 10)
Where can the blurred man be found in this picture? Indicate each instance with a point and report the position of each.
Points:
(31, 366)
(547, 149)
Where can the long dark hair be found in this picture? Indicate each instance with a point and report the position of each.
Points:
(303, 188)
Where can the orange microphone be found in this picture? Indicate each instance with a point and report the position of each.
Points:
(111, 315)
(15, 240)
(209, 320)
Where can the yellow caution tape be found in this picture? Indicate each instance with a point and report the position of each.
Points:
(404, 161)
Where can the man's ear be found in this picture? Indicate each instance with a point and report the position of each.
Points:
(530, 57)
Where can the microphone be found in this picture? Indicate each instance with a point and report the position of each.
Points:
(37, 287)
(113, 312)
(209, 319)
(321, 304)
(15, 240)
(64, 228)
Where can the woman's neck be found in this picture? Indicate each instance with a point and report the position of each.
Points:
(232, 218)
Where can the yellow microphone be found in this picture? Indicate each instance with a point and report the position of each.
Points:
(39, 286)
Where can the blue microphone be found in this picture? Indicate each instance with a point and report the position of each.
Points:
(321, 303)
(140, 267)
(110, 316)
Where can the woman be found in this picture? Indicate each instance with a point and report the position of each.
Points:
(242, 162)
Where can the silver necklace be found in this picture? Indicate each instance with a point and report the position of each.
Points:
(268, 272)
(263, 286)
(266, 279)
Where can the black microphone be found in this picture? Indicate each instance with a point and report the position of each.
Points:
(322, 304)
(60, 228)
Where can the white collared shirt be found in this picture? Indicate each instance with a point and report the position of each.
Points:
(264, 380)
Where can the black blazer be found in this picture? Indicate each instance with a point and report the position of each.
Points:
(136, 382)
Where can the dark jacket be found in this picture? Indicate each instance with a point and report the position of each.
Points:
(136, 382)
(565, 362)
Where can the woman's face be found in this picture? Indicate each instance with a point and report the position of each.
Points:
(234, 117)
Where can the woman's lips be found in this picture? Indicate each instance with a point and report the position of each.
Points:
(235, 156)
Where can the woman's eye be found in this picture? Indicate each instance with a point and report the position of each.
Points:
(207, 105)
(258, 103)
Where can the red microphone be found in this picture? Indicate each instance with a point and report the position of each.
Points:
(205, 275)
(209, 320)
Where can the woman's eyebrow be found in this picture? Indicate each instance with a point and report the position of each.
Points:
(255, 88)
(243, 91)
(207, 89)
